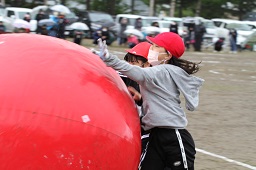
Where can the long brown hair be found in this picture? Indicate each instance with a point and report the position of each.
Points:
(186, 65)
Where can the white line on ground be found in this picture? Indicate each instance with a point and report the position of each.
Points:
(226, 159)
(214, 72)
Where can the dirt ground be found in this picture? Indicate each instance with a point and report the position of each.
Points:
(224, 124)
(225, 121)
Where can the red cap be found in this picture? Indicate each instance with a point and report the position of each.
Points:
(172, 42)
(140, 49)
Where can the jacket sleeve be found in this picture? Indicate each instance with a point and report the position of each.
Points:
(189, 86)
(135, 73)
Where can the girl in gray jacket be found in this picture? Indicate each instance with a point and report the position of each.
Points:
(170, 147)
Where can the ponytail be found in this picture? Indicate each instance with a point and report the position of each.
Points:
(186, 65)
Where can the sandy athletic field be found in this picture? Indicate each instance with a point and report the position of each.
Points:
(225, 121)
(224, 125)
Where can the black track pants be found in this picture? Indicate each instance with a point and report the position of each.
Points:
(169, 149)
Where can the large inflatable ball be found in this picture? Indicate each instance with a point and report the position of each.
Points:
(62, 108)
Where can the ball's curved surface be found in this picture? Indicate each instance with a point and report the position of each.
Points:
(62, 108)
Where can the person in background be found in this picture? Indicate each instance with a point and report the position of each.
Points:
(27, 17)
(96, 35)
(2, 28)
(170, 145)
(200, 30)
(174, 28)
(132, 40)
(155, 24)
(78, 36)
(105, 35)
(121, 35)
(43, 30)
(138, 24)
(190, 37)
(102, 33)
(218, 44)
(53, 29)
(41, 15)
(62, 22)
(232, 39)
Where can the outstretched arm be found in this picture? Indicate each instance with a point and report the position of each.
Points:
(133, 72)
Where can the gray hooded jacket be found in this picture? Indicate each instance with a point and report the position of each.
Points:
(160, 89)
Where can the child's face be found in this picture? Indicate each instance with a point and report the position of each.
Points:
(162, 52)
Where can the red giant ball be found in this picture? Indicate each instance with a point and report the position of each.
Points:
(62, 108)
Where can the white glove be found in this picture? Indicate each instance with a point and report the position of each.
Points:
(104, 54)
(95, 51)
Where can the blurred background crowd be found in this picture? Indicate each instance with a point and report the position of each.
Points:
(219, 25)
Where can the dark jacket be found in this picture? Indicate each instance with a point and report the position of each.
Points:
(2, 29)
(174, 28)
(233, 34)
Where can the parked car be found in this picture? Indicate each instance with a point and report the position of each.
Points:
(252, 24)
(164, 26)
(2, 19)
(1, 11)
(130, 17)
(211, 34)
(250, 42)
(224, 25)
(210, 28)
(175, 19)
(96, 19)
(181, 29)
(13, 13)
(147, 20)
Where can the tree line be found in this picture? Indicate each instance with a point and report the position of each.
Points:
(204, 8)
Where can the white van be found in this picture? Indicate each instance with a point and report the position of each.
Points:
(224, 25)
(13, 13)
(181, 30)
(252, 24)
(131, 20)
